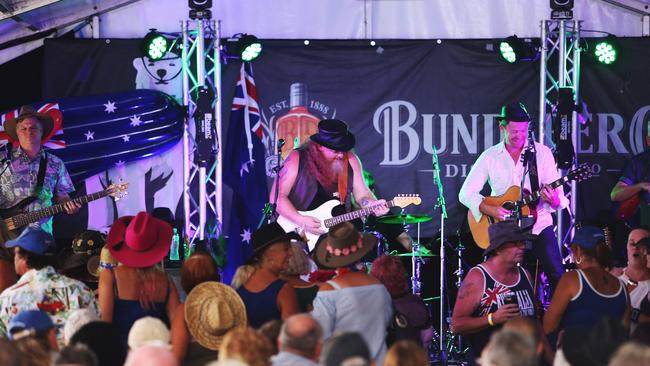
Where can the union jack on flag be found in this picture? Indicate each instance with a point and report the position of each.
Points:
(55, 138)
(491, 296)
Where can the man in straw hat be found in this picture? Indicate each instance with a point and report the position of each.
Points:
(502, 166)
(28, 171)
(496, 290)
(322, 169)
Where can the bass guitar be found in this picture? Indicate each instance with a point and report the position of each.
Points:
(510, 200)
(327, 214)
(13, 219)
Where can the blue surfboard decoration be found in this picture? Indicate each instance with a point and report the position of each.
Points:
(104, 131)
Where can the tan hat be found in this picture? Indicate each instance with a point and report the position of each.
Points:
(212, 309)
(148, 330)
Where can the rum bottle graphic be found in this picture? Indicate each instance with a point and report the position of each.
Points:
(298, 124)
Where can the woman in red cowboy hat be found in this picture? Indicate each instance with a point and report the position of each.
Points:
(353, 301)
(137, 288)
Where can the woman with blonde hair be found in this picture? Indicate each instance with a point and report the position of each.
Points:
(247, 345)
(137, 288)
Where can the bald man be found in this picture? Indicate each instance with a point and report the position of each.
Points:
(299, 342)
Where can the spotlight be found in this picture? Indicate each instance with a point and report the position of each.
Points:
(514, 49)
(243, 46)
(605, 52)
(561, 9)
(200, 9)
(155, 45)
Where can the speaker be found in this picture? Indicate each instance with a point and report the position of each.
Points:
(562, 5)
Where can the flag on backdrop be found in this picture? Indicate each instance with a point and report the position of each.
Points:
(244, 171)
(54, 140)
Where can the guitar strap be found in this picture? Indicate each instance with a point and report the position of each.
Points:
(534, 179)
(41, 175)
(345, 184)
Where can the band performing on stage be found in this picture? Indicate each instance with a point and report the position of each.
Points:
(328, 246)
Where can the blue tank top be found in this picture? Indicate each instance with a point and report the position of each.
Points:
(589, 305)
(262, 306)
(126, 312)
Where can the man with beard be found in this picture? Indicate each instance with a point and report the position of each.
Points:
(322, 169)
(501, 167)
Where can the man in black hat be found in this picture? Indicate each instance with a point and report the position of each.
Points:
(496, 290)
(502, 166)
(322, 169)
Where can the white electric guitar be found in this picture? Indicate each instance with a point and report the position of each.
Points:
(325, 214)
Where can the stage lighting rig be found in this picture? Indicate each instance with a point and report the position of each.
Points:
(561, 9)
(155, 45)
(605, 51)
(242, 46)
(513, 49)
(200, 9)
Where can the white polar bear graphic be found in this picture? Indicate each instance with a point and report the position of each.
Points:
(163, 75)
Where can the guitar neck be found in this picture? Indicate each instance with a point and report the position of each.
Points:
(354, 215)
(35, 216)
(534, 196)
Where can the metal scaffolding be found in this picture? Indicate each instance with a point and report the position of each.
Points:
(560, 44)
(202, 190)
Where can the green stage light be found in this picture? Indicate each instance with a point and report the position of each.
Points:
(605, 52)
(155, 45)
(249, 47)
(507, 52)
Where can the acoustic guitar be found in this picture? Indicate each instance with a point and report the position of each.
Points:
(328, 214)
(511, 198)
(14, 219)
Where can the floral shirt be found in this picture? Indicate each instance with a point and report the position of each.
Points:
(49, 291)
(18, 180)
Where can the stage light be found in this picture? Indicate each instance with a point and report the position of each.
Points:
(605, 52)
(514, 49)
(243, 46)
(561, 9)
(155, 45)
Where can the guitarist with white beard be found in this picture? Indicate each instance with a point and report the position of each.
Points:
(501, 167)
(320, 170)
(20, 173)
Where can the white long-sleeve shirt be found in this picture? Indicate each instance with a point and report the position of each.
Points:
(498, 169)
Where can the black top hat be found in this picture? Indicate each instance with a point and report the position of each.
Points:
(269, 234)
(506, 232)
(514, 112)
(334, 134)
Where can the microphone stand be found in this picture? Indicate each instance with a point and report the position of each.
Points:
(270, 208)
(526, 159)
(443, 215)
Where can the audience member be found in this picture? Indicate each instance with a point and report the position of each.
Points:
(150, 355)
(271, 330)
(636, 275)
(266, 295)
(247, 345)
(197, 268)
(36, 324)
(346, 349)
(352, 301)
(137, 288)
(300, 342)
(102, 338)
(589, 293)
(33, 352)
(149, 331)
(242, 274)
(39, 286)
(77, 319)
(212, 309)
(300, 265)
(593, 346)
(631, 354)
(76, 355)
(406, 353)
(81, 261)
(533, 329)
(410, 315)
(494, 291)
(508, 348)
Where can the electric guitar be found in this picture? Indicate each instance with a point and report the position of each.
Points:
(509, 201)
(13, 219)
(327, 214)
(628, 208)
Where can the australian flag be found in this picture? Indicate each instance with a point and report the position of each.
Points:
(244, 171)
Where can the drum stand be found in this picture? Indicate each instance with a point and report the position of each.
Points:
(440, 203)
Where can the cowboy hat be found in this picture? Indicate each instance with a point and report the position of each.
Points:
(269, 234)
(343, 246)
(504, 232)
(334, 134)
(139, 241)
(514, 112)
(26, 111)
(212, 309)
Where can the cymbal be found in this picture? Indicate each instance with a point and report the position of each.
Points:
(401, 219)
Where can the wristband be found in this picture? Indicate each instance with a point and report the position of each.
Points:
(489, 316)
